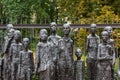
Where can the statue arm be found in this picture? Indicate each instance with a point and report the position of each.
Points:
(99, 52)
(32, 61)
(37, 60)
(114, 56)
(20, 62)
(11, 53)
(87, 44)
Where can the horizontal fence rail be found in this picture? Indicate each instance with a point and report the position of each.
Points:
(59, 26)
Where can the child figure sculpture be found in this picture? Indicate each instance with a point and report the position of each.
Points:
(79, 66)
(26, 63)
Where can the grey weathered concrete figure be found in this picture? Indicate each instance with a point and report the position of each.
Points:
(111, 42)
(53, 39)
(9, 26)
(26, 63)
(9, 39)
(93, 41)
(43, 56)
(104, 59)
(79, 66)
(14, 54)
(65, 63)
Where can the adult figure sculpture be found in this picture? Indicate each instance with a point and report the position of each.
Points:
(53, 39)
(26, 63)
(104, 59)
(93, 41)
(111, 42)
(79, 66)
(65, 63)
(14, 54)
(43, 56)
(9, 39)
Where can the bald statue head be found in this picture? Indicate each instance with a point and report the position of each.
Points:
(25, 43)
(53, 26)
(66, 29)
(9, 26)
(17, 35)
(93, 28)
(43, 34)
(104, 36)
(109, 30)
(78, 53)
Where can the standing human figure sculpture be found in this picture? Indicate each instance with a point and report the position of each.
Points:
(26, 63)
(53, 39)
(111, 42)
(104, 59)
(43, 56)
(9, 39)
(93, 41)
(14, 54)
(65, 63)
(79, 66)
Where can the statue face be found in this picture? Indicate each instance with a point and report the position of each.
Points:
(66, 29)
(17, 35)
(43, 34)
(25, 42)
(53, 28)
(9, 26)
(93, 30)
(109, 30)
(11, 33)
(78, 53)
(105, 36)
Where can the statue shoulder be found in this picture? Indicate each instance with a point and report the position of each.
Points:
(29, 51)
(97, 36)
(71, 40)
(89, 36)
(20, 44)
(39, 44)
(59, 37)
(112, 40)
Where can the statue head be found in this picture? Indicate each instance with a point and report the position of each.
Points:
(9, 26)
(11, 33)
(78, 53)
(43, 34)
(25, 42)
(53, 27)
(17, 35)
(66, 29)
(104, 36)
(93, 28)
(109, 30)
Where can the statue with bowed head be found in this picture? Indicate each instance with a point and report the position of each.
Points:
(43, 57)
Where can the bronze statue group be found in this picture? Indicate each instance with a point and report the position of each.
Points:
(54, 56)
